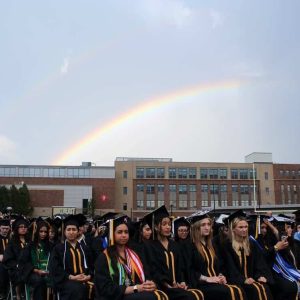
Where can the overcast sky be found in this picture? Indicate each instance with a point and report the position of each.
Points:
(69, 67)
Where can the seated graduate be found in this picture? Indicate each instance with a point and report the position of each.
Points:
(70, 266)
(13, 251)
(34, 260)
(269, 245)
(164, 258)
(4, 238)
(119, 271)
(245, 265)
(204, 265)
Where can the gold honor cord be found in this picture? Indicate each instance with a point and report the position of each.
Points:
(263, 289)
(4, 245)
(157, 295)
(198, 294)
(212, 263)
(241, 297)
(167, 260)
(111, 232)
(208, 262)
(79, 258)
(245, 265)
(173, 266)
(258, 290)
(74, 261)
(231, 292)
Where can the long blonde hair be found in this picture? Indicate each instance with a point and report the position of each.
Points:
(198, 239)
(238, 243)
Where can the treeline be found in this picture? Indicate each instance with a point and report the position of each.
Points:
(16, 198)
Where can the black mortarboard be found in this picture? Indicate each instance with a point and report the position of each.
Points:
(81, 219)
(71, 220)
(4, 222)
(297, 215)
(181, 221)
(108, 216)
(19, 221)
(114, 223)
(193, 219)
(156, 216)
(237, 214)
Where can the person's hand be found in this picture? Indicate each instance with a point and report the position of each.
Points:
(79, 277)
(213, 279)
(222, 279)
(282, 245)
(249, 281)
(1, 257)
(182, 285)
(147, 286)
(262, 279)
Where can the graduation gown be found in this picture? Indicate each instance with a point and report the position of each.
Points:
(282, 289)
(11, 257)
(65, 261)
(108, 287)
(209, 266)
(3, 272)
(166, 267)
(241, 267)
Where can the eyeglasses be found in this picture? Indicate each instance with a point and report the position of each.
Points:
(182, 230)
(22, 226)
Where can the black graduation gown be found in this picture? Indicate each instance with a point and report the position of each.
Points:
(166, 268)
(282, 289)
(252, 266)
(11, 257)
(65, 261)
(97, 246)
(108, 288)
(3, 272)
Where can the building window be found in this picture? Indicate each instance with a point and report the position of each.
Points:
(267, 191)
(140, 188)
(139, 204)
(182, 189)
(172, 188)
(150, 204)
(192, 188)
(124, 190)
(192, 173)
(281, 173)
(213, 173)
(234, 188)
(294, 174)
(203, 173)
(223, 188)
(287, 173)
(150, 189)
(160, 172)
(172, 172)
(124, 206)
(243, 173)
(234, 173)
(140, 172)
(252, 176)
(160, 188)
(244, 189)
(193, 204)
(223, 173)
(266, 176)
(182, 173)
(214, 188)
(125, 174)
(182, 204)
(150, 173)
(204, 188)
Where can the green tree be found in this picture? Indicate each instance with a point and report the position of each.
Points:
(4, 198)
(91, 207)
(23, 205)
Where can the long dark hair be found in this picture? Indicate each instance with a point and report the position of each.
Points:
(36, 239)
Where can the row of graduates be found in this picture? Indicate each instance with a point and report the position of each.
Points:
(202, 267)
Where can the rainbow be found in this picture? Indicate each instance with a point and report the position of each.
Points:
(145, 107)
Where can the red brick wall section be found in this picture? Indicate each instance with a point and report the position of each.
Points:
(46, 198)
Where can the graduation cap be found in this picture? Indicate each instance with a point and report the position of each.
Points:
(20, 220)
(108, 216)
(4, 222)
(198, 217)
(156, 216)
(114, 223)
(181, 221)
(237, 214)
(81, 219)
(71, 220)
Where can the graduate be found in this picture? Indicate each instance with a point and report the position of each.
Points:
(164, 258)
(4, 239)
(204, 265)
(270, 246)
(70, 265)
(34, 260)
(119, 271)
(244, 263)
(13, 251)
